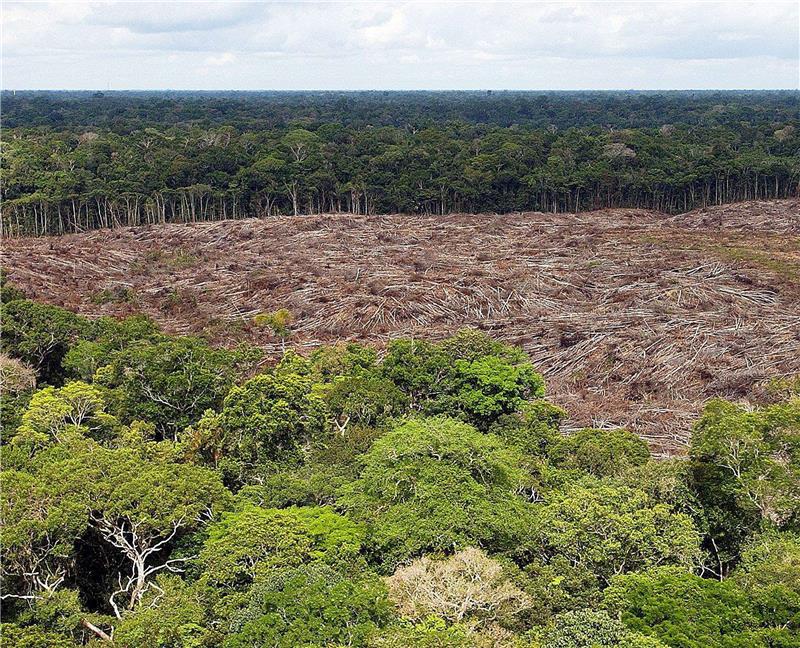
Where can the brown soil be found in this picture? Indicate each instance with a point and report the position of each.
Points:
(635, 318)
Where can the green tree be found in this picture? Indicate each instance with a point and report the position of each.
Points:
(173, 614)
(8, 292)
(311, 605)
(141, 503)
(769, 573)
(611, 530)
(364, 399)
(486, 388)
(251, 541)
(534, 429)
(56, 412)
(746, 470)
(337, 360)
(666, 481)
(279, 323)
(55, 611)
(757, 452)
(15, 636)
(40, 335)
(271, 416)
(106, 336)
(169, 382)
(555, 584)
(468, 376)
(684, 610)
(602, 453)
(438, 485)
(17, 383)
(40, 526)
(416, 367)
(593, 629)
(432, 632)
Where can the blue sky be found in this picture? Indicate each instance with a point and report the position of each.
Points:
(400, 45)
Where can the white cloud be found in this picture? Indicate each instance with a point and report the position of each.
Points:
(255, 45)
(393, 31)
(223, 59)
(168, 17)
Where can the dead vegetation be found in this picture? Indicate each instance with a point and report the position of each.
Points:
(634, 317)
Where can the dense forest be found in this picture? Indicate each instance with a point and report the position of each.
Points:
(77, 161)
(126, 111)
(157, 491)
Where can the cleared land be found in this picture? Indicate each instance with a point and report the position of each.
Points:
(634, 317)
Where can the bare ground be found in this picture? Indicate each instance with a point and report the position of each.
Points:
(634, 317)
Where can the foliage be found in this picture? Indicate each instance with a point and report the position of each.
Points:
(8, 292)
(534, 430)
(415, 366)
(610, 530)
(770, 575)
(55, 413)
(270, 416)
(555, 585)
(125, 111)
(488, 387)
(332, 462)
(602, 453)
(169, 382)
(137, 500)
(173, 616)
(145, 491)
(15, 636)
(55, 611)
(593, 629)
(107, 335)
(746, 471)
(17, 382)
(40, 526)
(342, 360)
(309, 606)
(441, 468)
(278, 322)
(667, 481)
(756, 452)
(437, 485)
(74, 162)
(251, 541)
(40, 335)
(431, 632)
(684, 610)
(364, 399)
(468, 376)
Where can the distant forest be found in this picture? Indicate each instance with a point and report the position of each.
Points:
(73, 161)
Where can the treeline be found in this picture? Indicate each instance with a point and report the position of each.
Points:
(68, 181)
(160, 492)
(124, 112)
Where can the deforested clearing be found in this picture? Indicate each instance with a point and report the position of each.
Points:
(634, 317)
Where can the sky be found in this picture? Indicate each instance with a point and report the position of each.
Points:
(400, 45)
